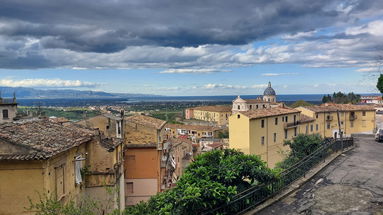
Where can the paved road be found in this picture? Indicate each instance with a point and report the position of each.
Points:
(351, 184)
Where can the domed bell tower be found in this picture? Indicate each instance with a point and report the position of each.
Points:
(269, 94)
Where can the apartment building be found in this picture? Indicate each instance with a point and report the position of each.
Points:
(194, 132)
(8, 109)
(353, 118)
(262, 132)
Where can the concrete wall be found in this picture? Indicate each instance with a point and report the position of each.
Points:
(142, 190)
(142, 168)
(18, 181)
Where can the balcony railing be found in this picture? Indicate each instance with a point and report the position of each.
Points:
(291, 124)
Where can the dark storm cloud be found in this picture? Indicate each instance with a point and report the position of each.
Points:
(174, 34)
(109, 26)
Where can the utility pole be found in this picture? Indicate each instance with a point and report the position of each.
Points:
(340, 129)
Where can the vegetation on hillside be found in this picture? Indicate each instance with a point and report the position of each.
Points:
(74, 114)
(300, 103)
(211, 180)
(342, 98)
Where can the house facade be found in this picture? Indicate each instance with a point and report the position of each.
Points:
(262, 132)
(41, 157)
(352, 118)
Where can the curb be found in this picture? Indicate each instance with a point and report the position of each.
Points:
(298, 183)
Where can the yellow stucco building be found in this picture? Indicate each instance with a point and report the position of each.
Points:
(262, 132)
(217, 114)
(353, 119)
(40, 157)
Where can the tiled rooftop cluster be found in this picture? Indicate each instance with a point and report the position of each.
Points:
(330, 107)
(42, 138)
(192, 127)
(146, 121)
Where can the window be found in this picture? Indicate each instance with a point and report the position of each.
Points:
(328, 125)
(275, 137)
(317, 127)
(295, 118)
(5, 114)
(283, 118)
(251, 106)
(239, 107)
(341, 122)
(286, 133)
(295, 131)
(263, 140)
(238, 116)
(129, 187)
(316, 116)
(307, 129)
(311, 127)
(256, 106)
(287, 119)
(352, 124)
(364, 113)
(262, 123)
(276, 121)
(77, 169)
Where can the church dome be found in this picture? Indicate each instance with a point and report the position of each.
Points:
(269, 91)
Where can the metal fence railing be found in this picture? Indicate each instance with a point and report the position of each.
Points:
(258, 194)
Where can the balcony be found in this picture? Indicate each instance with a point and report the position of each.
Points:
(290, 124)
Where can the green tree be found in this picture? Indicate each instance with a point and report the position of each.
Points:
(301, 146)
(211, 180)
(379, 85)
(300, 103)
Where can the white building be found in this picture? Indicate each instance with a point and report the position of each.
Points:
(269, 100)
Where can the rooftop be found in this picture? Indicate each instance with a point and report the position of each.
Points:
(41, 139)
(330, 107)
(192, 127)
(146, 121)
(8, 101)
(305, 119)
(261, 113)
(216, 108)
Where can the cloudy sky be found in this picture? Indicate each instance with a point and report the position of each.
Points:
(192, 47)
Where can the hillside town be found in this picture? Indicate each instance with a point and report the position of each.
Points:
(139, 156)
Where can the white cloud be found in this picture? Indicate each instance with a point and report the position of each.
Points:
(277, 74)
(59, 83)
(368, 69)
(229, 86)
(374, 28)
(196, 71)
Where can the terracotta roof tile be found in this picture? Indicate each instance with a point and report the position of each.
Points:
(42, 138)
(146, 121)
(330, 107)
(192, 127)
(261, 113)
(305, 119)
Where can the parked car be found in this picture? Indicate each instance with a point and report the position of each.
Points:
(379, 135)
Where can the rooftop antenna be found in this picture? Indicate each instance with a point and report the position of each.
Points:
(14, 97)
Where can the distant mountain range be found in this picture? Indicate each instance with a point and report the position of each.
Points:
(32, 93)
